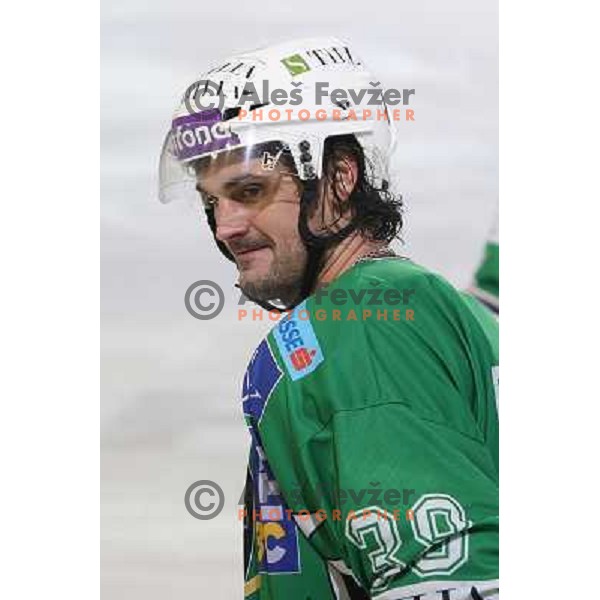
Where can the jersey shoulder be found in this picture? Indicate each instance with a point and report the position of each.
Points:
(387, 294)
(387, 331)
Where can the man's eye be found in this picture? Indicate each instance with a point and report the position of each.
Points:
(251, 192)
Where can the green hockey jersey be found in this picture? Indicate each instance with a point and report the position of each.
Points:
(373, 469)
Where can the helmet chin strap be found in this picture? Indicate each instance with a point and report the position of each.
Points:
(315, 244)
(316, 247)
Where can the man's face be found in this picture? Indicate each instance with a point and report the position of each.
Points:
(256, 213)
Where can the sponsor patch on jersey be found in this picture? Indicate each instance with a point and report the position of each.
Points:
(278, 550)
(298, 343)
(276, 536)
(261, 378)
(276, 543)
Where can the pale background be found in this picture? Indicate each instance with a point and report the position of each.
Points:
(170, 383)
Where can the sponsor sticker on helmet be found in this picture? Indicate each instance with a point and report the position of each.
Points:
(200, 133)
(298, 343)
(295, 64)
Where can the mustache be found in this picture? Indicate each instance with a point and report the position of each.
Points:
(245, 245)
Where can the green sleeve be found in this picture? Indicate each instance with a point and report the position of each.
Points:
(419, 502)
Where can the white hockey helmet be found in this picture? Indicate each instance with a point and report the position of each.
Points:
(234, 106)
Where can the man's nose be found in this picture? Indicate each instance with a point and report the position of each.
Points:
(231, 218)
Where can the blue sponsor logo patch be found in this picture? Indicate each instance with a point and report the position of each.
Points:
(277, 547)
(298, 344)
(276, 536)
(261, 378)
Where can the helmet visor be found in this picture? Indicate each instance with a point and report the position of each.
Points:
(197, 141)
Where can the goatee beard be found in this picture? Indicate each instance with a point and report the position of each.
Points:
(281, 286)
(274, 292)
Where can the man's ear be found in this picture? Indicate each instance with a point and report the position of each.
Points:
(333, 210)
(345, 177)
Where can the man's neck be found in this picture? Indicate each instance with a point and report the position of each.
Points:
(344, 256)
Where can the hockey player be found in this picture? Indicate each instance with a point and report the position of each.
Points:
(371, 406)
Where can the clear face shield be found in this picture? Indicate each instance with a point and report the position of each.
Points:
(206, 158)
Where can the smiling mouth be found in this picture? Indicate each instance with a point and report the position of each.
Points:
(250, 251)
